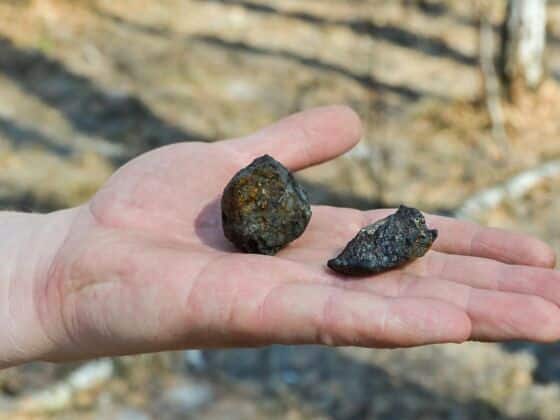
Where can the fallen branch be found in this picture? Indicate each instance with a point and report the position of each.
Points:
(513, 188)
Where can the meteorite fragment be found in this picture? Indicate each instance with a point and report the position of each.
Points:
(264, 208)
(388, 243)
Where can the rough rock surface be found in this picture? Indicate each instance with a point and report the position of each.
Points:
(386, 244)
(264, 208)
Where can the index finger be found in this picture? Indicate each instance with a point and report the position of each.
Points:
(468, 238)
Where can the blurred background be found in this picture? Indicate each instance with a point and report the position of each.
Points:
(461, 104)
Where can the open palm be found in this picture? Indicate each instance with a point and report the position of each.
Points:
(145, 265)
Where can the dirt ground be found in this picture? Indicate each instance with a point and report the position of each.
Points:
(86, 85)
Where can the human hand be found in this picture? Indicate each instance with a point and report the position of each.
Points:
(144, 266)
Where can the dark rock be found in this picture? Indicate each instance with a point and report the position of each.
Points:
(264, 208)
(386, 244)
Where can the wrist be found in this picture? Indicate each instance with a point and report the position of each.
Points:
(28, 249)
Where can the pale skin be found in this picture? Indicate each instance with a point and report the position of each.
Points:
(143, 267)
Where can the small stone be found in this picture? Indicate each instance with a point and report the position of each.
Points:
(194, 359)
(388, 243)
(264, 208)
(186, 397)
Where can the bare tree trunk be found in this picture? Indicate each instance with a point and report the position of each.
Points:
(491, 83)
(523, 46)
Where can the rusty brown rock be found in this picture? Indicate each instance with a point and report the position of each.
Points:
(264, 208)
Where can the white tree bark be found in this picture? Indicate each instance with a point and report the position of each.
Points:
(524, 41)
